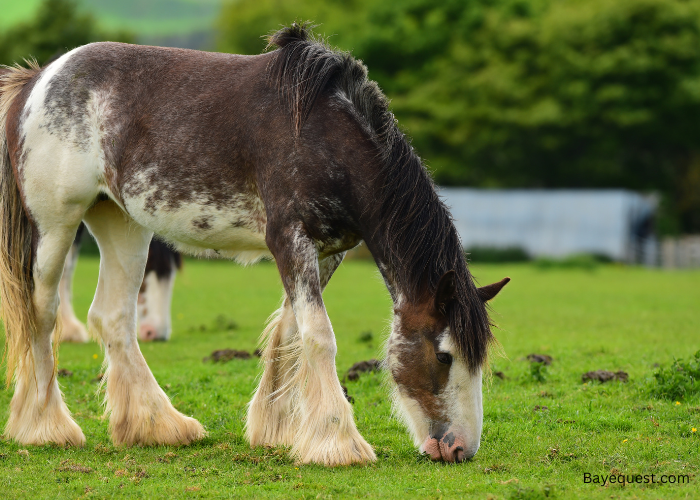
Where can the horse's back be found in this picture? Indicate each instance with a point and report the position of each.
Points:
(195, 146)
(151, 95)
(163, 132)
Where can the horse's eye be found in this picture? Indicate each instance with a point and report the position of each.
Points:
(444, 358)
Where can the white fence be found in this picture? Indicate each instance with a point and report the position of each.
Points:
(557, 222)
(681, 252)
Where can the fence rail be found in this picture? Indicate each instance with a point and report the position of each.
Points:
(681, 252)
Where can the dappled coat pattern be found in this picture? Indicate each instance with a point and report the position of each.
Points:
(292, 155)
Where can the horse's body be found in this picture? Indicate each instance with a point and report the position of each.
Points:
(290, 154)
(155, 294)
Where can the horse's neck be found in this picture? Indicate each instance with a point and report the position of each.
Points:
(394, 223)
(379, 246)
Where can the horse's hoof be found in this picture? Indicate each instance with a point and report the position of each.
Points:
(336, 450)
(168, 427)
(34, 425)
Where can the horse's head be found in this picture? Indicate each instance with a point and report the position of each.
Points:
(438, 391)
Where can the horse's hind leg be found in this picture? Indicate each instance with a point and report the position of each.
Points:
(141, 412)
(38, 413)
(72, 329)
(270, 416)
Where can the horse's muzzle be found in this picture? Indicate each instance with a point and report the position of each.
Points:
(448, 447)
(150, 333)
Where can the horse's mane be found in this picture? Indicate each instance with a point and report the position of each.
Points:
(416, 227)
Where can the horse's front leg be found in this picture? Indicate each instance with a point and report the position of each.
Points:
(325, 429)
(270, 413)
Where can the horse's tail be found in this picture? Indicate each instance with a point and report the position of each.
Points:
(16, 305)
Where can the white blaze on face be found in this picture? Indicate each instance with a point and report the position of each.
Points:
(462, 398)
(154, 302)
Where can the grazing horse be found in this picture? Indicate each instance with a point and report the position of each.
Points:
(154, 300)
(292, 154)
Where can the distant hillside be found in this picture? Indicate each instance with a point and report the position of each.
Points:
(14, 11)
(183, 23)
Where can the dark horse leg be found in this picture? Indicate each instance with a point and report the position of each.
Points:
(269, 413)
(320, 416)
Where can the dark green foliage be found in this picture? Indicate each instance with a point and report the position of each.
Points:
(538, 371)
(88, 245)
(221, 323)
(366, 337)
(679, 381)
(483, 255)
(527, 93)
(585, 261)
(57, 27)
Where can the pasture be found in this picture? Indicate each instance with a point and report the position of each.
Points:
(539, 437)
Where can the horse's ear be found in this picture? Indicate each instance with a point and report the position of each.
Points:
(445, 290)
(488, 292)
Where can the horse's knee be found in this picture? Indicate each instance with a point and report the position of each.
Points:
(94, 322)
(319, 345)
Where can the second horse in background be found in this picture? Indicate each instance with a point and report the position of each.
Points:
(155, 294)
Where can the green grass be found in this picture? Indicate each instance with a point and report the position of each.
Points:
(613, 318)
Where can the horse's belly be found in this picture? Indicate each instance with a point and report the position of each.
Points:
(231, 227)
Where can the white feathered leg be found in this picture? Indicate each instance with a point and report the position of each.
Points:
(271, 420)
(38, 413)
(140, 412)
(325, 429)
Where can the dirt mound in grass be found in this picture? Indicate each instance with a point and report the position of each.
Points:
(540, 358)
(350, 399)
(224, 355)
(604, 376)
(69, 466)
(371, 365)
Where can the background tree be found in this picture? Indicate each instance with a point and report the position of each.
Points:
(526, 93)
(57, 27)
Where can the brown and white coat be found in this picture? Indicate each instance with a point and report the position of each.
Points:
(291, 154)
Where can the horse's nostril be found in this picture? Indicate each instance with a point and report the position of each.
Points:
(459, 454)
(148, 333)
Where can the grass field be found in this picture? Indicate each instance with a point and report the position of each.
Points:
(539, 438)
